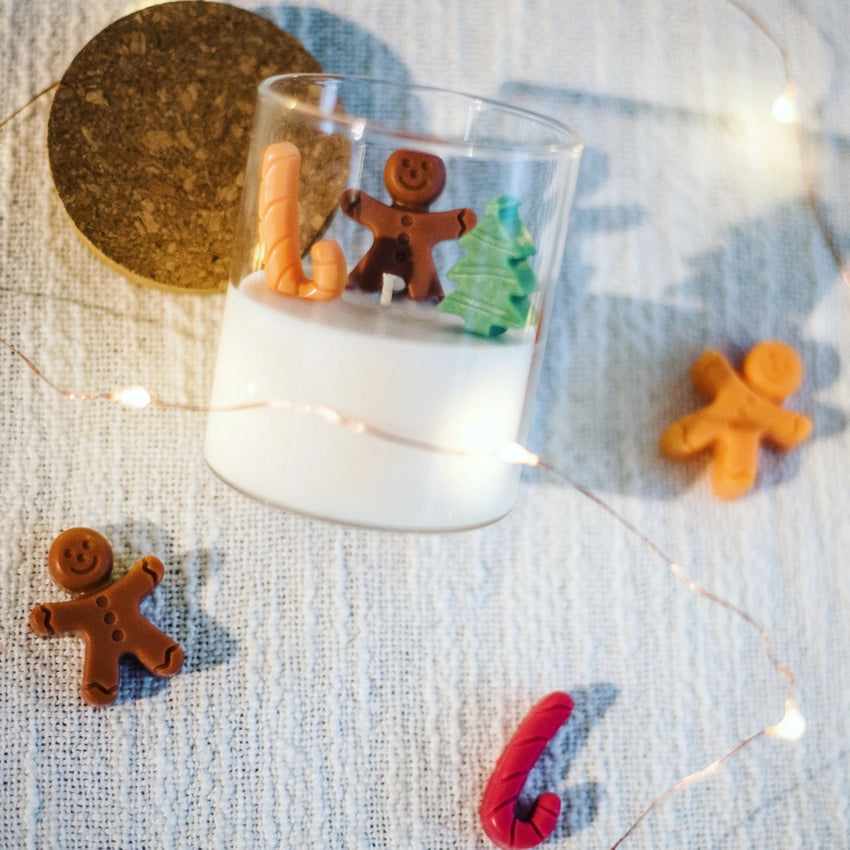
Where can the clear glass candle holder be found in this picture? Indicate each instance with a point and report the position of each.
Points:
(394, 262)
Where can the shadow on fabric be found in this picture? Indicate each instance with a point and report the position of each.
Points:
(615, 372)
(339, 45)
(174, 606)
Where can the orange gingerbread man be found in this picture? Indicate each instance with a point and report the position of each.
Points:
(106, 615)
(744, 411)
(405, 232)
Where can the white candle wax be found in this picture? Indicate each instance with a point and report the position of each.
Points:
(403, 368)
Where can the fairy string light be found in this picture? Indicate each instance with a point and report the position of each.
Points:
(786, 111)
(36, 97)
(792, 724)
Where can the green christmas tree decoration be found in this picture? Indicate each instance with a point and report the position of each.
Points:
(494, 279)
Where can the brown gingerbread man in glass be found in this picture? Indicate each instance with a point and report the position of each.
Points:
(105, 615)
(405, 232)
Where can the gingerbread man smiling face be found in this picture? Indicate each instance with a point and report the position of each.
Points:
(414, 180)
(79, 559)
(406, 231)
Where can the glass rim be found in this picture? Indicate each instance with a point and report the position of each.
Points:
(565, 139)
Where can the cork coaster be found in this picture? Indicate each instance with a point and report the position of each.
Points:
(148, 137)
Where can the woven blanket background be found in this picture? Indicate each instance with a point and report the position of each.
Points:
(352, 689)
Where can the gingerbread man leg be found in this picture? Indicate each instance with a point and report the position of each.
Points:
(368, 273)
(425, 284)
(155, 650)
(735, 463)
(100, 674)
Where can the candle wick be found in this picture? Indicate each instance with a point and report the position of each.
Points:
(387, 289)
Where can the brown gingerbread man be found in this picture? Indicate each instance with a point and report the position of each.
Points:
(405, 233)
(106, 615)
(743, 411)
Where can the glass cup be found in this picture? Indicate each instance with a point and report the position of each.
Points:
(394, 262)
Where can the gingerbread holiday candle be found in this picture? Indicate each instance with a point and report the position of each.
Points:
(397, 252)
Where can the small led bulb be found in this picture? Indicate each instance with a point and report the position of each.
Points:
(785, 106)
(135, 397)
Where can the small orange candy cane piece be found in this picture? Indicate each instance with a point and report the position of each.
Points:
(498, 806)
(278, 210)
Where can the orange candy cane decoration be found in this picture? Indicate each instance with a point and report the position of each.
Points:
(278, 209)
(498, 807)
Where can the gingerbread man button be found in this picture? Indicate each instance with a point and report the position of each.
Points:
(106, 615)
(405, 233)
(744, 411)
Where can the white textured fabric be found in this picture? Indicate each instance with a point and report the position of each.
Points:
(351, 689)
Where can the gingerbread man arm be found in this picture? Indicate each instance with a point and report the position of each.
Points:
(449, 224)
(40, 620)
(141, 579)
(788, 429)
(361, 208)
(711, 372)
(57, 618)
(688, 436)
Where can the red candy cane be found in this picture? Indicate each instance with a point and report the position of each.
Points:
(498, 807)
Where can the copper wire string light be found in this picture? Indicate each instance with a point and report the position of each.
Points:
(786, 111)
(791, 725)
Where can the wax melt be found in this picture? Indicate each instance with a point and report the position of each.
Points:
(494, 279)
(503, 826)
(744, 412)
(105, 615)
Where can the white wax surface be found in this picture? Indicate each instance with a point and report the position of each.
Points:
(404, 368)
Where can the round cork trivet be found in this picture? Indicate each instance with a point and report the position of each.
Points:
(148, 137)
